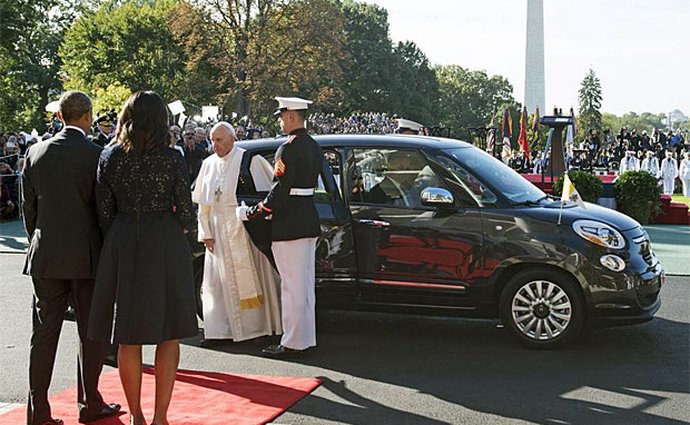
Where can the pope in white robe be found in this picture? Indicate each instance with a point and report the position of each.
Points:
(240, 288)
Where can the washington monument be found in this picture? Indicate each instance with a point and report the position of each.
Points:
(534, 57)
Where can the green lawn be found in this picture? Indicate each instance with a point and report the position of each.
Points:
(682, 199)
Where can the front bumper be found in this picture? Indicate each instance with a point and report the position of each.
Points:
(633, 295)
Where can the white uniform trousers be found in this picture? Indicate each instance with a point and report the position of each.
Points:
(296, 261)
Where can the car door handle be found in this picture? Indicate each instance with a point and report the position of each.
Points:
(373, 223)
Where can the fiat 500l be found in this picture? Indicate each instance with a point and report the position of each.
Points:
(423, 225)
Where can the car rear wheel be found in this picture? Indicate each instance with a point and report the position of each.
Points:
(542, 308)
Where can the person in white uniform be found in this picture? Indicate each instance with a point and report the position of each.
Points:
(296, 226)
(669, 172)
(650, 164)
(684, 173)
(240, 287)
(629, 162)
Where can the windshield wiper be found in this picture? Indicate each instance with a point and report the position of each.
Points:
(529, 203)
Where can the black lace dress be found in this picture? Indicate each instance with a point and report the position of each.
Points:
(144, 291)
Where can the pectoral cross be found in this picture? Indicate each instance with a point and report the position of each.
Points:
(217, 193)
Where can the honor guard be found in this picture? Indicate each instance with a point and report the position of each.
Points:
(408, 127)
(290, 202)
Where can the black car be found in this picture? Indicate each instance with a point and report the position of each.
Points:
(425, 225)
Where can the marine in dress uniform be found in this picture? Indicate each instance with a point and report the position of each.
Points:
(290, 202)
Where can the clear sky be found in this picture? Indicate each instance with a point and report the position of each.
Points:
(639, 49)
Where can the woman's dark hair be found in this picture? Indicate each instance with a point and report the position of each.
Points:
(143, 123)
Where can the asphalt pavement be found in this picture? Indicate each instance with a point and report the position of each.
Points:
(389, 369)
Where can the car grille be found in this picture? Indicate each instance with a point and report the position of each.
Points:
(642, 242)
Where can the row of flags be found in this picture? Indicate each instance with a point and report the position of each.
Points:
(523, 144)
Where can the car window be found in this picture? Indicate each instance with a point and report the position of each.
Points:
(394, 177)
(245, 185)
(503, 179)
(469, 190)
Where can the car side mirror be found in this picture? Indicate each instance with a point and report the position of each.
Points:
(437, 197)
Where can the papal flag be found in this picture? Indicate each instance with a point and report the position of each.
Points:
(570, 193)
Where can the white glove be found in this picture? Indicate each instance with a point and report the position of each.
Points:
(241, 212)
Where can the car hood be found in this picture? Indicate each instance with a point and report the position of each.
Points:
(572, 211)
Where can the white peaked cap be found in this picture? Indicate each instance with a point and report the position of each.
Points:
(411, 125)
(291, 104)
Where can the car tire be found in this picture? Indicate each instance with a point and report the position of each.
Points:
(543, 308)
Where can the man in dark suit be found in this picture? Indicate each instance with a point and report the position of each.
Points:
(61, 222)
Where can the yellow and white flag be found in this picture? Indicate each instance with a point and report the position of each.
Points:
(570, 193)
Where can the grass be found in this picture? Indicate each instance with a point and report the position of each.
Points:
(682, 199)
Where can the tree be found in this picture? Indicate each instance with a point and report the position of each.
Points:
(129, 44)
(273, 47)
(414, 90)
(30, 34)
(471, 98)
(589, 98)
(198, 39)
(367, 71)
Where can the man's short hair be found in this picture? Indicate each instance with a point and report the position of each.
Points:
(74, 104)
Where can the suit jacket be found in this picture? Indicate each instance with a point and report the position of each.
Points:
(59, 205)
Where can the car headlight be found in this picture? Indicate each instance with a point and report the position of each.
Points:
(599, 233)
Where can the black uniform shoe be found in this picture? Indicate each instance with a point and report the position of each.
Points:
(107, 410)
(279, 351)
(70, 314)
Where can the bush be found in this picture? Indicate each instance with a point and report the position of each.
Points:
(637, 195)
(588, 185)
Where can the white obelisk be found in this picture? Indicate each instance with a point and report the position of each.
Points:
(534, 57)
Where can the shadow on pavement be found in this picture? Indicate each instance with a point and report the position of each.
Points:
(477, 366)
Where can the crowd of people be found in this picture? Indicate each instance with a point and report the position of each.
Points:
(356, 123)
(662, 154)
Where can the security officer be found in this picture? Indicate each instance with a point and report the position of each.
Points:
(104, 129)
(298, 164)
(408, 127)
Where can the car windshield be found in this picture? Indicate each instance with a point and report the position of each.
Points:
(497, 175)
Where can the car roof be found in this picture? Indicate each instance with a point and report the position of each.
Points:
(374, 140)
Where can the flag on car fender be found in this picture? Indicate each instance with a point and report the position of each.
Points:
(570, 193)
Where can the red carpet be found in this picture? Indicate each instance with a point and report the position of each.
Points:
(208, 398)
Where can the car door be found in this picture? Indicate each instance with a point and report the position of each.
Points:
(408, 253)
(335, 262)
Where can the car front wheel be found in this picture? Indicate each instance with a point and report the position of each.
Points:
(542, 308)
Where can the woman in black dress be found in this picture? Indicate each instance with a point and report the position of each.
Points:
(144, 291)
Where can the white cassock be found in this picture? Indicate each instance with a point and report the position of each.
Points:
(669, 172)
(650, 165)
(684, 174)
(240, 294)
(629, 163)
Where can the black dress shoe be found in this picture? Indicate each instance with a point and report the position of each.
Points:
(53, 422)
(280, 351)
(209, 343)
(107, 410)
